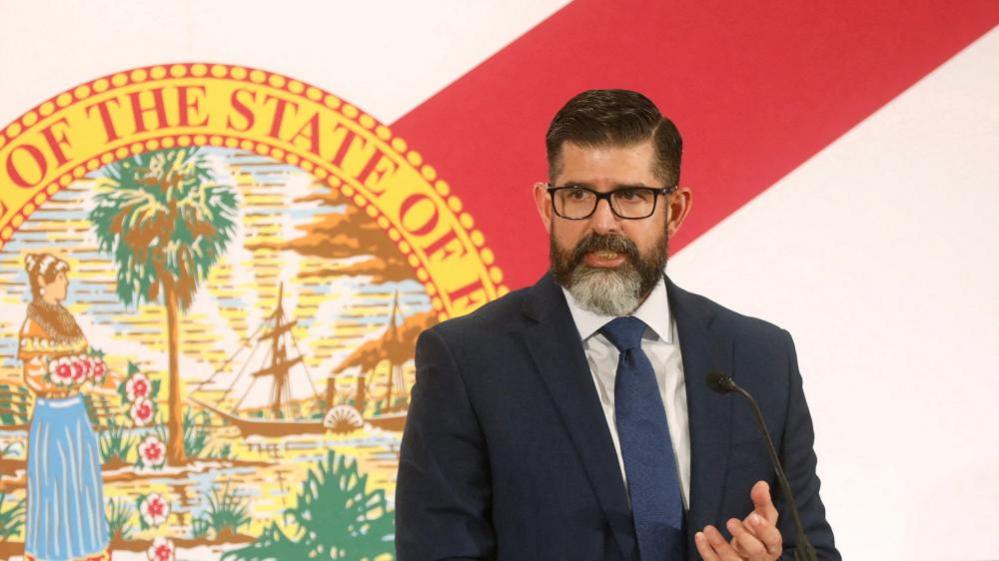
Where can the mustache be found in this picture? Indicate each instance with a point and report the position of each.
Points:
(601, 242)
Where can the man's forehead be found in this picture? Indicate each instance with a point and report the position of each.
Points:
(626, 164)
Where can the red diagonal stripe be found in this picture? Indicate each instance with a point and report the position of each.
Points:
(756, 88)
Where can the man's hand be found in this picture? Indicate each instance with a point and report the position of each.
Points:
(755, 538)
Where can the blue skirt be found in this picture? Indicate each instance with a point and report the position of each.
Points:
(65, 510)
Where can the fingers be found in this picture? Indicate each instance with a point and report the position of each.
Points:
(712, 546)
(756, 538)
(764, 505)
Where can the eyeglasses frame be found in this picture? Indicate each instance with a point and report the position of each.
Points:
(552, 189)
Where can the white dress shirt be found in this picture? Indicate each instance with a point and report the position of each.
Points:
(661, 344)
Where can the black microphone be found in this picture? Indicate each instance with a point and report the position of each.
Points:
(725, 384)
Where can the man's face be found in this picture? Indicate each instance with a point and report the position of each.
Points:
(610, 264)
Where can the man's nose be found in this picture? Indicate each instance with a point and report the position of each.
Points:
(604, 220)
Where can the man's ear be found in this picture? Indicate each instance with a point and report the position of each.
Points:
(679, 202)
(544, 204)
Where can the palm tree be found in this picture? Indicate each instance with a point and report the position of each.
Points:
(166, 222)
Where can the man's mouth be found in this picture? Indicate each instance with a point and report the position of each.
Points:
(605, 258)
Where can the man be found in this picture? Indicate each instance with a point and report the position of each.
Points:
(571, 420)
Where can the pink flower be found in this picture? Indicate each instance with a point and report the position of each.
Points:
(61, 372)
(79, 369)
(154, 510)
(161, 550)
(142, 412)
(88, 365)
(137, 386)
(152, 452)
(98, 369)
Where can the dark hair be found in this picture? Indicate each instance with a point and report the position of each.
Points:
(42, 265)
(616, 118)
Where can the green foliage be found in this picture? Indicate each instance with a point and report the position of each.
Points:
(336, 518)
(14, 405)
(197, 438)
(274, 545)
(11, 518)
(195, 435)
(164, 220)
(11, 448)
(119, 516)
(200, 528)
(223, 453)
(226, 513)
(115, 443)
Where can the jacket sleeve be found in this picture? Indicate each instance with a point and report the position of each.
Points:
(799, 461)
(443, 492)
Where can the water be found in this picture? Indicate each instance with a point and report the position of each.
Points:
(264, 474)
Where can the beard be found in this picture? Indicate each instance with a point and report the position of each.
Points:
(609, 291)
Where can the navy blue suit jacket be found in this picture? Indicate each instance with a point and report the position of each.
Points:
(507, 454)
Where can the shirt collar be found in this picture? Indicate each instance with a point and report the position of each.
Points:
(654, 311)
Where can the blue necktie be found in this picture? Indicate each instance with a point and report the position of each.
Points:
(643, 430)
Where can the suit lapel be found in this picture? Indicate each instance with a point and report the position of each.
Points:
(554, 345)
(704, 350)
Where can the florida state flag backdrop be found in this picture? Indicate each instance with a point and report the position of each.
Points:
(223, 225)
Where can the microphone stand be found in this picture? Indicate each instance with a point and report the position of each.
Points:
(803, 551)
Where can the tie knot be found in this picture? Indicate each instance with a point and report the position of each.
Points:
(625, 333)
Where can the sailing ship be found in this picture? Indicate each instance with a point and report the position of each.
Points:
(282, 409)
(291, 404)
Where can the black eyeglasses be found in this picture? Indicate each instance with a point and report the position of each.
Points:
(574, 202)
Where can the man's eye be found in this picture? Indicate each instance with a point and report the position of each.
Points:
(578, 194)
(628, 194)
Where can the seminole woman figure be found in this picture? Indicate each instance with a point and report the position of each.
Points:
(65, 510)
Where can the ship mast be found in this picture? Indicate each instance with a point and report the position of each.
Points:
(393, 338)
(280, 364)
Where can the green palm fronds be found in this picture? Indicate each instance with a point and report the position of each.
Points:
(166, 222)
(164, 219)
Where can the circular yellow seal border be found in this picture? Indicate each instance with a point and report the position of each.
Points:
(201, 104)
